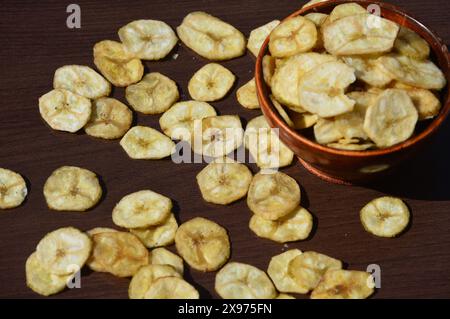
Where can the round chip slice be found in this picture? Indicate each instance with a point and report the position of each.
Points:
(246, 95)
(162, 256)
(98, 230)
(71, 188)
(385, 216)
(117, 64)
(344, 284)
(345, 10)
(268, 68)
(118, 253)
(143, 142)
(171, 288)
(203, 244)
(146, 276)
(411, 44)
(81, 80)
(292, 36)
(142, 209)
(62, 250)
(224, 183)
(259, 35)
(273, 195)
(13, 189)
(148, 39)
(210, 37)
(159, 235)
(295, 226)
(369, 70)
(426, 103)
(327, 132)
(110, 119)
(242, 281)
(304, 120)
(211, 83)
(154, 94)
(65, 111)
(279, 271)
(392, 119)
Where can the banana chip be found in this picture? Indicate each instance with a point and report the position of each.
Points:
(369, 70)
(392, 119)
(118, 253)
(411, 44)
(217, 136)
(345, 10)
(62, 250)
(210, 37)
(99, 230)
(148, 39)
(292, 36)
(422, 74)
(81, 80)
(295, 226)
(268, 68)
(162, 256)
(284, 296)
(344, 284)
(203, 244)
(159, 235)
(304, 120)
(154, 94)
(246, 95)
(312, 2)
(318, 19)
(242, 281)
(351, 146)
(326, 131)
(72, 188)
(279, 271)
(265, 146)
(142, 209)
(259, 35)
(359, 34)
(385, 216)
(110, 119)
(426, 103)
(13, 189)
(282, 112)
(65, 111)
(273, 195)
(177, 122)
(171, 288)
(146, 276)
(143, 142)
(211, 83)
(308, 268)
(117, 64)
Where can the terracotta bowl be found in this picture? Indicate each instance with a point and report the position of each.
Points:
(348, 167)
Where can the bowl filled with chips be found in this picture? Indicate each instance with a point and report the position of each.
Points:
(353, 87)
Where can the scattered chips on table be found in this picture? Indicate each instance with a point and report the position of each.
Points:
(146, 276)
(13, 189)
(281, 274)
(259, 35)
(142, 142)
(211, 83)
(246, 95)
(171, 288)
(162, 256)
(162, 234)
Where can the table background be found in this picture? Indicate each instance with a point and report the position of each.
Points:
(35, 42)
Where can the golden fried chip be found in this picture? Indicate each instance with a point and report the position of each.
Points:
(211, 37)
(71, 188)
(411, 44)
(162, 256)
(81, 80)
(369, 70)
(98, 230)
(171, 288)
(110, 119)
(284, 296)
(143, 142)
(259, 35)
(117, 64)
(159, 235)
(385, 216)
(273, 195)
(351, 146)
(345, 10)
(242, 281)
(203, 244)
(304, 120)
(279, 271)
(326, 131)
(344, 284)
(211, 83)
(246, 95)
(154, 94)
(281, 111)
(318, 19)
(65, 111)
(268, 68)
(146, 276)
(13, 189)
(426, 103)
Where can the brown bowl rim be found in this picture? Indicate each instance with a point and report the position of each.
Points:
(269, 110)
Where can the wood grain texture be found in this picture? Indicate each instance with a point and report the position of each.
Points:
(35, 41)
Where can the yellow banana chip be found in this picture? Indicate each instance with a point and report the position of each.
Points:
(259, 35)
(268, 68)
(326, 131)
(304, 120)
(81, 80)
(99, 230)
(318, 19)
(71, 188)
(171, 288)
(351, 146)
(211, 37)
(345, 10)
(295, 226)
(63, 250)
(273, 195)
(159, 235)
(242, 281)
(411, 44)
(282, 112)
(148, 39)
(117, 64)
(65, 111)
(118, 253)
(203, 244)
(162, 256)
(279, 271)
(154, 94)
(313, 2)
(344, 284)
(369, 70)
(426, 103)
(146, 276)
(284, 296)
(143, 142)
(246, 95)
(110, 119)
(13, 189)
(211, 83)
(385, 216)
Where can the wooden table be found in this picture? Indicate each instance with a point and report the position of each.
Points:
(35, 41)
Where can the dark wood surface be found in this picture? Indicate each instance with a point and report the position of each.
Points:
(35, 41)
